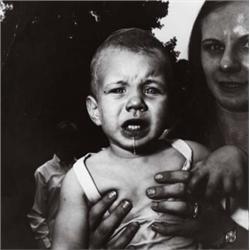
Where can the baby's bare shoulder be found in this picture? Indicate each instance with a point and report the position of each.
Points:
(173, 159)
(169, 159)
(97, 160)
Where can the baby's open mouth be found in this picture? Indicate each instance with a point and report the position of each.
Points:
(135, 128)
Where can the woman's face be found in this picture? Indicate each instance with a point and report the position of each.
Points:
(224, 54)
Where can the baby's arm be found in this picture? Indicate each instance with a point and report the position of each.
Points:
(71, 227)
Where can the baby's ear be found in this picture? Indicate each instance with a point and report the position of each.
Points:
(93, 110)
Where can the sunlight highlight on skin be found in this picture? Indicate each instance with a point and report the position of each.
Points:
(240, 30)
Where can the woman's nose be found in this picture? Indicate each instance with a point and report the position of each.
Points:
(135, 103)
(229, 61)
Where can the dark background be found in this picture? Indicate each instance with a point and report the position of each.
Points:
(46, 50)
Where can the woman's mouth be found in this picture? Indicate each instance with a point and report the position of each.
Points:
(232, 86)
(135, 128)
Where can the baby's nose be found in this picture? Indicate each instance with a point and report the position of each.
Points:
(136, 103)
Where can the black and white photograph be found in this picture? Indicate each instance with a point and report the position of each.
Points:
(124, 124)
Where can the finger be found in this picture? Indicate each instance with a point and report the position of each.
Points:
(180, 208)
(110, 224)
(126, 236)
(172, 176)
(188, 228)
(166, 191)
(228, 186)
(239, 184)
(198, 175)
(213, 186)
(98, 210)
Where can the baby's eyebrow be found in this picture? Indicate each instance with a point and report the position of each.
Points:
(151, 80)
(154, 81)
(119, 82)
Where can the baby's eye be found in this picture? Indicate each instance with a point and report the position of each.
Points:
(152, 91)
(117, 90)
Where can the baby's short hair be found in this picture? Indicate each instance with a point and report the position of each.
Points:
(132, 39)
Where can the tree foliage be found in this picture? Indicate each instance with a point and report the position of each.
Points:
(46, 50)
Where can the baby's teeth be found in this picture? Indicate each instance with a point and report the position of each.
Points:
(134, 127)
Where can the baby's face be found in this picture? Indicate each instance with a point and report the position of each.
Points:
(132, 97)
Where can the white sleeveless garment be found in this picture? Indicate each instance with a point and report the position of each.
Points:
(145, 238)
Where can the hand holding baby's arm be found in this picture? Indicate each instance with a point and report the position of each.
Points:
(223, 170)
(76, 227)
(71, 227)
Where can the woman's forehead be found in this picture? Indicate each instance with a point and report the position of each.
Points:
(228, 19)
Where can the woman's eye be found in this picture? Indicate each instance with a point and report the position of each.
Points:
(213, 47)
(243, 46)
(117, 90)
(246, 45)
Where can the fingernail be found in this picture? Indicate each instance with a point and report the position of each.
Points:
(154, 204)
(112, 195)
(154, 226)
(125, 204)
(159, 177)
(151, 191)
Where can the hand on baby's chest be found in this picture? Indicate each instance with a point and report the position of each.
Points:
(131, 177)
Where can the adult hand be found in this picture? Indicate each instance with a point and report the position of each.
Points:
(102, 228)
(172, 196)
(174, 185)
(209, 225)
(223, 172)
(208, 228)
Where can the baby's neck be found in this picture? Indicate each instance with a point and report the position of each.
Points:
(136, 152)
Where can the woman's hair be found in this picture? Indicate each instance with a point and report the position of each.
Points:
(201, 114)
(194, 48)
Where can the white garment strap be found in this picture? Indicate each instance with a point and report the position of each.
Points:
(185, 150)
(85, 179)
(239, 215)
